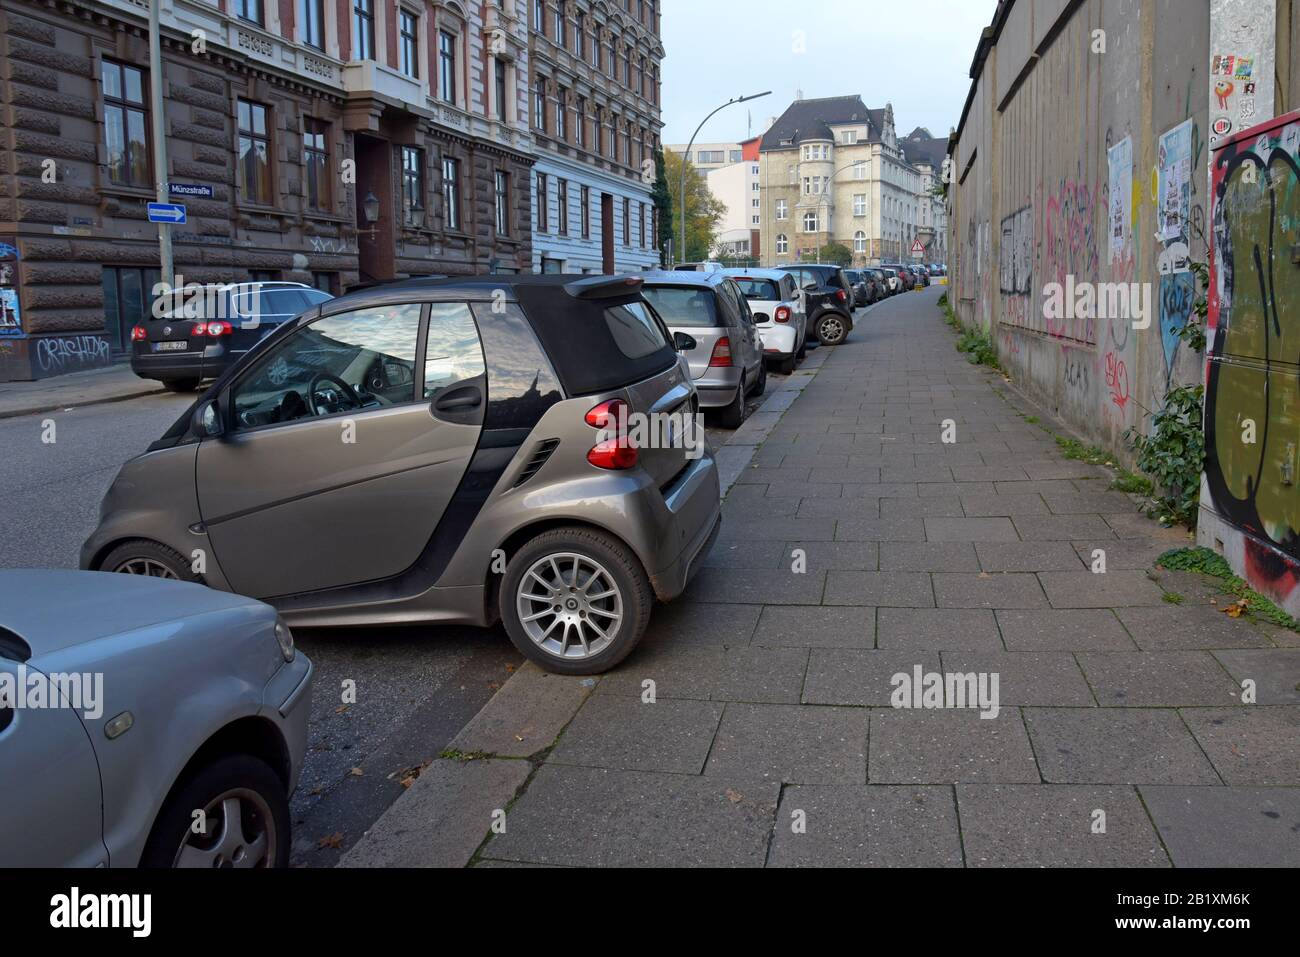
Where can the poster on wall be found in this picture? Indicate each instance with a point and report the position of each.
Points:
(10, 317)
(1234, 94)
(1174, 187)
(1119, 158)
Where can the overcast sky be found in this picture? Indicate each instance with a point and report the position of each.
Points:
(914, 55)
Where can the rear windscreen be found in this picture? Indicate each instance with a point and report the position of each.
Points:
(596, 345)
(278, 303)
(684, 306)
(760, 290)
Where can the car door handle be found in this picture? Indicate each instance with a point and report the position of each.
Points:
(459, 401)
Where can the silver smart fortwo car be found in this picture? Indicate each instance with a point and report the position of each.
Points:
(439, 450)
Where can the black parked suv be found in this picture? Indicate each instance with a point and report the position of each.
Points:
(829, 301)
(202, 329)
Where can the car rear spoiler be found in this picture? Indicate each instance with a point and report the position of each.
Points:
(604, 287)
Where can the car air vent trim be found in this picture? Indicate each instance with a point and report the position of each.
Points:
(541, 454)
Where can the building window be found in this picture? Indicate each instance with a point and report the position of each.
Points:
(250, 10)
(254, 154)
(503, 203)
(627, 68)
(499, 76)
(782, 209)
(599, 126)
(782, 244)
(451, 192)
(126, 123)
(539, 16)
(585, 217)
(627, 221)
(447, 66)
(580, 128)
(315, 154)
(561, 33)
(363, 29)
(810, 222)
(543, 201)
(859, 204)
(859, 170)
(580, 38)
(539, 105)
(640, 77)
(859, 242)
(562, 207)
(413, 186)
(645, 240)
(754, 203)
(326, 282)
(613, 59)
(408, 44)
(561, 115)
(311, 16)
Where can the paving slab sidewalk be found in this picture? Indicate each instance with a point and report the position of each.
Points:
(858, 547)
(113, 383)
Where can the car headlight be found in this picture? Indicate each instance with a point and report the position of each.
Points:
(284, 638)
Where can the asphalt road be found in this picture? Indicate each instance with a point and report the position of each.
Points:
(415, 687)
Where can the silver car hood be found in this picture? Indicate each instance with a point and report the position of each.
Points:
(51, 610)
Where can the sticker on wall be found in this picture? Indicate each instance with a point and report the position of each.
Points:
(11, 323)
(1233, 86)
(1119, 158)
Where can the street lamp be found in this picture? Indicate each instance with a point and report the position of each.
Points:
(370, 210)
(687, 154)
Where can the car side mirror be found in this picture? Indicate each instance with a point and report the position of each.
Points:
(206, 422)
(683, 343)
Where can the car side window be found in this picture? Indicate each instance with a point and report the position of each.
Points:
(453, 352)
(727, 305)
(354, 361)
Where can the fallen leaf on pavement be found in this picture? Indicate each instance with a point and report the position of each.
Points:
(334, 840)
(356, 772)
(734, 796)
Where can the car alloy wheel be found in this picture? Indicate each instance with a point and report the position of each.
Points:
(239, 832)
(831, 331)
(147, 567)
(569, 605)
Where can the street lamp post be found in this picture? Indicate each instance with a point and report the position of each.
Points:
(167, 269)
(686, 155)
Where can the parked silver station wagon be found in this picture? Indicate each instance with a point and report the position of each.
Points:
(437, 450)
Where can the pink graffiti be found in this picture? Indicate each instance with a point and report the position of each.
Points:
(1070, 248)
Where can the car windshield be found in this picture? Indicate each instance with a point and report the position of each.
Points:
(683, 306)
(758, 290)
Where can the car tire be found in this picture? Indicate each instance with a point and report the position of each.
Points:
(786, 365)
(264, 816)
(143, 557)
(732, 416)
(597, 554)
(760, 386)
(803, 351)
(180, 385)
(832, 329)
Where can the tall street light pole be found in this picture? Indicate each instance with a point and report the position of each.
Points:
(159, 140)
(687, 154)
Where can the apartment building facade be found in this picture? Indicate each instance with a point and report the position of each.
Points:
(926, 153)
(594, 100)
(738, 187)
(324, 141)
(831, 171)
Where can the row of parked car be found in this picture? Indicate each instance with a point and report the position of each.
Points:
(488, 414)
(874, 283)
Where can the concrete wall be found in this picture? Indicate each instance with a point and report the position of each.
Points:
(1030, 204)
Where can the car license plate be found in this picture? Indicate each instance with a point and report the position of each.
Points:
(177, 345)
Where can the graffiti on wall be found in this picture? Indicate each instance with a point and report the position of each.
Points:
(11, 320)
(1174, 211)
(59, 354)
(1017, 251)
(1252, 403)
(1069, 249)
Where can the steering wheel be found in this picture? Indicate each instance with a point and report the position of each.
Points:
(348, 393)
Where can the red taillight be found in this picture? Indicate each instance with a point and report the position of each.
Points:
(721, 358)
(607, 415)
(199, 329)
(613, 454)
(839, 294)
(219, 329)
(782, 314)
(138, 334)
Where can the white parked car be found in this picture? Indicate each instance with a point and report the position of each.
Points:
(778, 310)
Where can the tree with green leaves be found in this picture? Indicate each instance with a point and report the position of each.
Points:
(836, 254)
(663, 202)
(704, 211)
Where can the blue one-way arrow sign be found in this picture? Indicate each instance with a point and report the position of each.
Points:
(167, 213)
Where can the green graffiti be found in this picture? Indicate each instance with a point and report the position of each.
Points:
(1254, 415)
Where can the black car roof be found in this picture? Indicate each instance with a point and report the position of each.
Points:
(471, 288)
